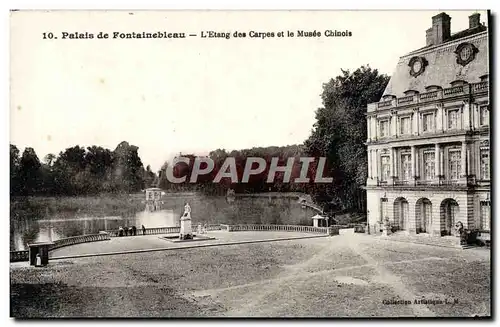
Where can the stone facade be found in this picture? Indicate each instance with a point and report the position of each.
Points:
(428, 137)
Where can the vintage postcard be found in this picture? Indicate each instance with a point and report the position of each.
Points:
(283, 164)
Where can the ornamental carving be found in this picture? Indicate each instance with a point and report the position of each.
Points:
(485, 143)
(465, 52)
(417, 66)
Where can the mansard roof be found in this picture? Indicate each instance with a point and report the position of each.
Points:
(440, 65)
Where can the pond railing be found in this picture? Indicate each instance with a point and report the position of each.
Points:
(102, 236)
(284, 228)
(162, 230)
(23, 255)
(148, 231)
(17, 256)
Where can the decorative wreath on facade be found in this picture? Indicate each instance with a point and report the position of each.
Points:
(417, 66)
(466, 52)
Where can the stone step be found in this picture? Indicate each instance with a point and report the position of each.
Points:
(437, 241)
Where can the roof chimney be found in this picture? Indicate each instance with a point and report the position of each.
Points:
(441, 25)
(429, 37)
(474, 20)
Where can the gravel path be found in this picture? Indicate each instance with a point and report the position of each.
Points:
(341, 276)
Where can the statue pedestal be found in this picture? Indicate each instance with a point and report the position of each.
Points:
(186, 228)
(386, 230)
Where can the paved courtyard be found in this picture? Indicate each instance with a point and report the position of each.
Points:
(340, 276)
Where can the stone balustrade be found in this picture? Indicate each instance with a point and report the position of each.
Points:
(17, 256)
(407, 99)
(149, 231)
(164, 230)
(214, 227)
(284, 228)
(80, 239)
(431, 96)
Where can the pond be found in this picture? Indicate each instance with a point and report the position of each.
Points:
(43, 219)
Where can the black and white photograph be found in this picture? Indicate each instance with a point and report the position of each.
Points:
(250, 164)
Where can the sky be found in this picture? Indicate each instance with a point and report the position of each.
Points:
(196, 94)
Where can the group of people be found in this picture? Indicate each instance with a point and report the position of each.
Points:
(202, 229)
(132, 231)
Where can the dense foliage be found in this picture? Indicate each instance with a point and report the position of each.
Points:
(256, 183)
(77, 170)
(340, 133)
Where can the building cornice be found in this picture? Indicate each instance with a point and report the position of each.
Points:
(446, 46)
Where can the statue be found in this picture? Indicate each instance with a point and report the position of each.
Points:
(460, 232)
(386, 228)
(186, 231)
(187, 210)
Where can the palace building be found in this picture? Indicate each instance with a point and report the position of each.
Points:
(429, 138)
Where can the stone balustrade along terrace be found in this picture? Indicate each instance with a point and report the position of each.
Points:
(16, 256)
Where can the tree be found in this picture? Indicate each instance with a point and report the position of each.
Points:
(49, 159)
(149, 177)
(127, 168)
(15, 163)
(67, 166)
(339, 134)
(29, 172)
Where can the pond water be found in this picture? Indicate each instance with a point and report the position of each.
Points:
(46, 219)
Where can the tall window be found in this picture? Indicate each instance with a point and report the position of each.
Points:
(406, 166)
(485, 220)
(453, 119)
(428, 122)
(485, 163)
(384, 128)
(484, 116)
(386, 167)
(429, 164)
(454, 161)
(405, 123)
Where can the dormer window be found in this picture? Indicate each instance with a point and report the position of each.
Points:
(432, 88)
(484, 78)
(386, 97)
(410, 92)
(458, 83)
